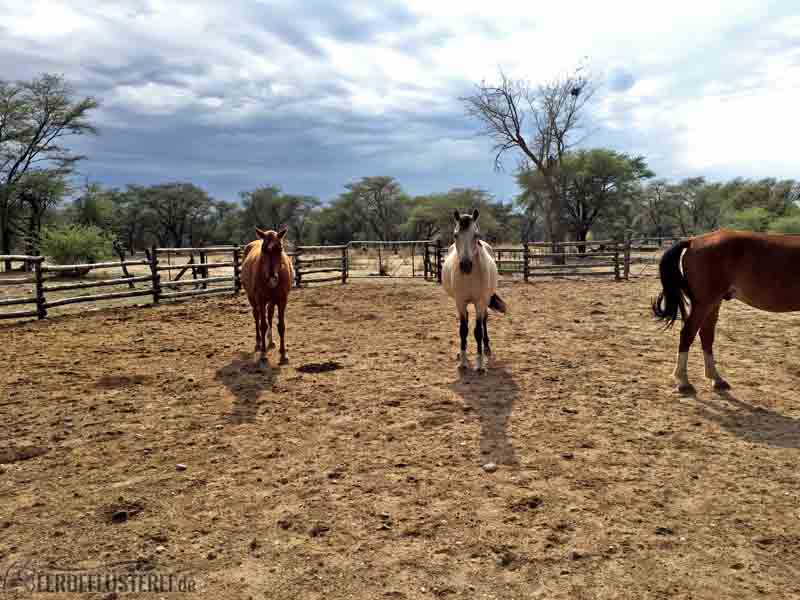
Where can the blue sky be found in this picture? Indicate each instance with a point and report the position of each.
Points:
(312, 95)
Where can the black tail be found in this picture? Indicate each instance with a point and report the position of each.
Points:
(672, 298)
(498, 304)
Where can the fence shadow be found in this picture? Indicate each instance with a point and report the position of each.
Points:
(492, 397)
(751, 423)
(246, 379)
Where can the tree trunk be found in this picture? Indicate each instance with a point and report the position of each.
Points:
(555, 224)
(5, 225)
(580, 236)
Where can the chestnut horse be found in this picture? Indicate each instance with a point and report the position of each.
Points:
(761, 270)
(267, 276)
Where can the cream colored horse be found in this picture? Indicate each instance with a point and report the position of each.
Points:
(469, 276)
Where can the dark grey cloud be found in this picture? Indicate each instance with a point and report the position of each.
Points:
(257, 93)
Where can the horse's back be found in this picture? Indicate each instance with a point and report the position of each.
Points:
(760, 269)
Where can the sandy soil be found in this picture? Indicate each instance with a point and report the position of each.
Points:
(355, 472)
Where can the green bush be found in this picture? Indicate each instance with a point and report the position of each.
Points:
(76, 244)
(749, 219)
(787, 224)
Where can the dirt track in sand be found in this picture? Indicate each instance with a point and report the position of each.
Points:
(355, 472)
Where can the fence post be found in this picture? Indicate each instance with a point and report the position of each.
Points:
(237, 279)
(298, 276)
(154, 272)
(426, 257)
(203, 270)
(627, 258)
(616, 262)
(526, 254)
(41, 309)
(439, 261)
(344, 265)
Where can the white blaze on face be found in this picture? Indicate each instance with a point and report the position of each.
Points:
(466, 236)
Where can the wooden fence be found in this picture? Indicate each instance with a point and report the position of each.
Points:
(311, 261)
(165, 276)
(52, 288)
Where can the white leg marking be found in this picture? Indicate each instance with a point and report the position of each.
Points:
(481, 366)
(463, 362)
(712, 373)
(681, 372)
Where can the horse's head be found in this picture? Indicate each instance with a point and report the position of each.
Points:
(467, 239)
(271, 253)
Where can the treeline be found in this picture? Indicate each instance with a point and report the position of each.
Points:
(372, 208)
(606, 195)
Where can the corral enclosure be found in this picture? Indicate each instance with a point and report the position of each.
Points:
(355, 472)
(167, 274)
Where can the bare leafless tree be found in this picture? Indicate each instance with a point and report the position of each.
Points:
(539, 123)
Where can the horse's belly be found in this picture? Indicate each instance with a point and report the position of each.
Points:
(771, 298)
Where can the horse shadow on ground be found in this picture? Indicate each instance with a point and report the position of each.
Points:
(491, 396)
(751, 423)
(246, 378)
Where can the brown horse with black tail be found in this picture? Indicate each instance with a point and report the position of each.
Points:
(267, 276)
(761, 270)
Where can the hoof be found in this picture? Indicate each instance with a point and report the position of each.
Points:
(720, 385)
(686, 389)
(284, 359)
(270, 346)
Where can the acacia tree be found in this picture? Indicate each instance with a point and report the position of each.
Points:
(539, 123)
(176, 208)
(596, 182)
(431, 216)
(38, 192)
(35, 117)
(382, 204)
(267, 207)
(697, 205)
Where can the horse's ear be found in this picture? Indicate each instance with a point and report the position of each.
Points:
(282, 232)
(457, 216)
(261, 234)
(475, 214)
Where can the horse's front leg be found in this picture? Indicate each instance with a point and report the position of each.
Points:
(263, 332)
(463, 331)
(282, 331)
(270, 314)
(256, 318)
(480, 315)
(707, 341)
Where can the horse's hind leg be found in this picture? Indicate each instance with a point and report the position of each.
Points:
(688, 333)
(707, 340)
(270, 313)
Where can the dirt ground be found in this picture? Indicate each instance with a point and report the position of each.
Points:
(355, 472)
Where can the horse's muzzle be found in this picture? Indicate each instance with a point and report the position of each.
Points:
(272, 282)
(465, 264)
